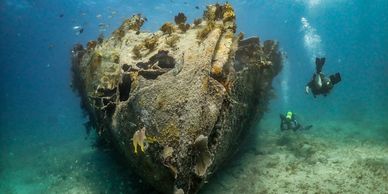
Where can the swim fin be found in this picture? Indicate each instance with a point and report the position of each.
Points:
(319, 62)
(335, 78)
(307, 127)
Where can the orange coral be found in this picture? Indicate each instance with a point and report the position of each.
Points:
(216, 70)
(167, 28)
(91, 44)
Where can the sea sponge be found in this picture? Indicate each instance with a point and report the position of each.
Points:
(151, 43)
(118, 33)
(136, 51)
(91, 44)
(184, 27)
(167, 152)
(228, 14)
(180, 18)
(138, 139)
(197, 21)
(216, 71)
(203, 157)
(209, 13)
(133, 23)
(167, 28)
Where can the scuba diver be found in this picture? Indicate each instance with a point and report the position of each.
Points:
(289, 122)
(320, 84)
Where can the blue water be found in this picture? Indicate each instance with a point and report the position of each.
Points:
(43, 145)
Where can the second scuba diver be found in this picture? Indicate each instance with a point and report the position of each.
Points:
(289, 122)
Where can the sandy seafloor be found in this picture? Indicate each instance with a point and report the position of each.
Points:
(332, 157)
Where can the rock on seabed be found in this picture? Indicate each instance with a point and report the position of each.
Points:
(194, 88)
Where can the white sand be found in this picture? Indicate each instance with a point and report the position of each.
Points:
(330, 158)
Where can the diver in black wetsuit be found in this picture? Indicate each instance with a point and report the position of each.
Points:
(320, 84)
(289, 122)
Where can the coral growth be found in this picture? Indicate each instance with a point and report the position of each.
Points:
(184, 27)
(91, 44)
(228, 13)
(167, 28)
(134, 23)
(137, 51)
(216, 71)
(171, 41)
(201, 35)
(151, 43)
(180, 18)
(197, 21)
(95, 62)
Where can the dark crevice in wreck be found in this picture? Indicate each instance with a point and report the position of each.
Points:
(104, 92)
(157, 65)
(124, 87)
(162, 59)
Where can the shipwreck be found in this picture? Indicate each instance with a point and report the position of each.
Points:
(177, 102)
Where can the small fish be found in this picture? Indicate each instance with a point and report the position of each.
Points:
(77, 27)
(196, 7)
(98, 16)
(78, 30)
(102, 27)
(61, 15)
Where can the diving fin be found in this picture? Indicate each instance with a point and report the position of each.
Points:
(307, 127)
(323, 60)
(319, 62)
(335, 78)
